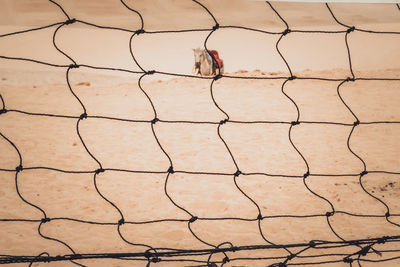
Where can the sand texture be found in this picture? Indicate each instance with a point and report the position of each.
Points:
(264, 155)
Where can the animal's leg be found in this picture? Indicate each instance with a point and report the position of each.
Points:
(197, 71)
(214, 67)
(196, 68)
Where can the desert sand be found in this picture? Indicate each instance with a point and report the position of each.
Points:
(61, 152)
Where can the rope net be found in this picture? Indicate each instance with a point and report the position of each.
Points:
(287, 210)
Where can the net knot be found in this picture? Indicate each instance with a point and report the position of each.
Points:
(237, 173)
(212, 264)
(348, 79)
(193, 219)
(139, 31)
(147, 254)
(364, 250)
(259, 217)
(223, 121)
(99, 170)
(217, 77)
(153, 121)
(348, 260)
(351, 29)
(281, 264)
(312, 244)
(306, 174)
(216, 27)
(155, 260)
(70, 21)
(291, 78)
(83, 116)
(19, 168)
(121, 221)
(329, 213)
(171, 169)
(387, 214)
(150, 72)
(295, 123)
(45, 220)
(382, 240)
(225, 260)
(73, 66)
(357, 122)
(363, 173)
(291, 256)
(3, 110)
(286, 31)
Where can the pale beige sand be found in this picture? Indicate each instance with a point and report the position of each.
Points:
(53, 142)
(257, 147)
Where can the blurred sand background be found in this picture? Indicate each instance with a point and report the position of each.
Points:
(257, 147)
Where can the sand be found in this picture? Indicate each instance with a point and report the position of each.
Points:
(119, 135)
(257, 148)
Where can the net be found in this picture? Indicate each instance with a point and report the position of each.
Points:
(225, 240)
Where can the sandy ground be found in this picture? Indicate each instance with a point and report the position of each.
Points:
(257, 147)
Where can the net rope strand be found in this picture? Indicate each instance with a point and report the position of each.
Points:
(154, 255)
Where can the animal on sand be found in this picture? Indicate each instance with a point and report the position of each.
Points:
(207, 63)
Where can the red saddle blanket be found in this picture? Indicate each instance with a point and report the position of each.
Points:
(214, 53)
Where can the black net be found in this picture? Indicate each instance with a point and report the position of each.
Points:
(315, 251)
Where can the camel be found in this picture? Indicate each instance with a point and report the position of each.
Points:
(207, 64)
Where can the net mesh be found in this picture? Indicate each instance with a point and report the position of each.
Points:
(315, 251)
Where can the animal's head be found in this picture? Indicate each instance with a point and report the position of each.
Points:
(197, 53)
